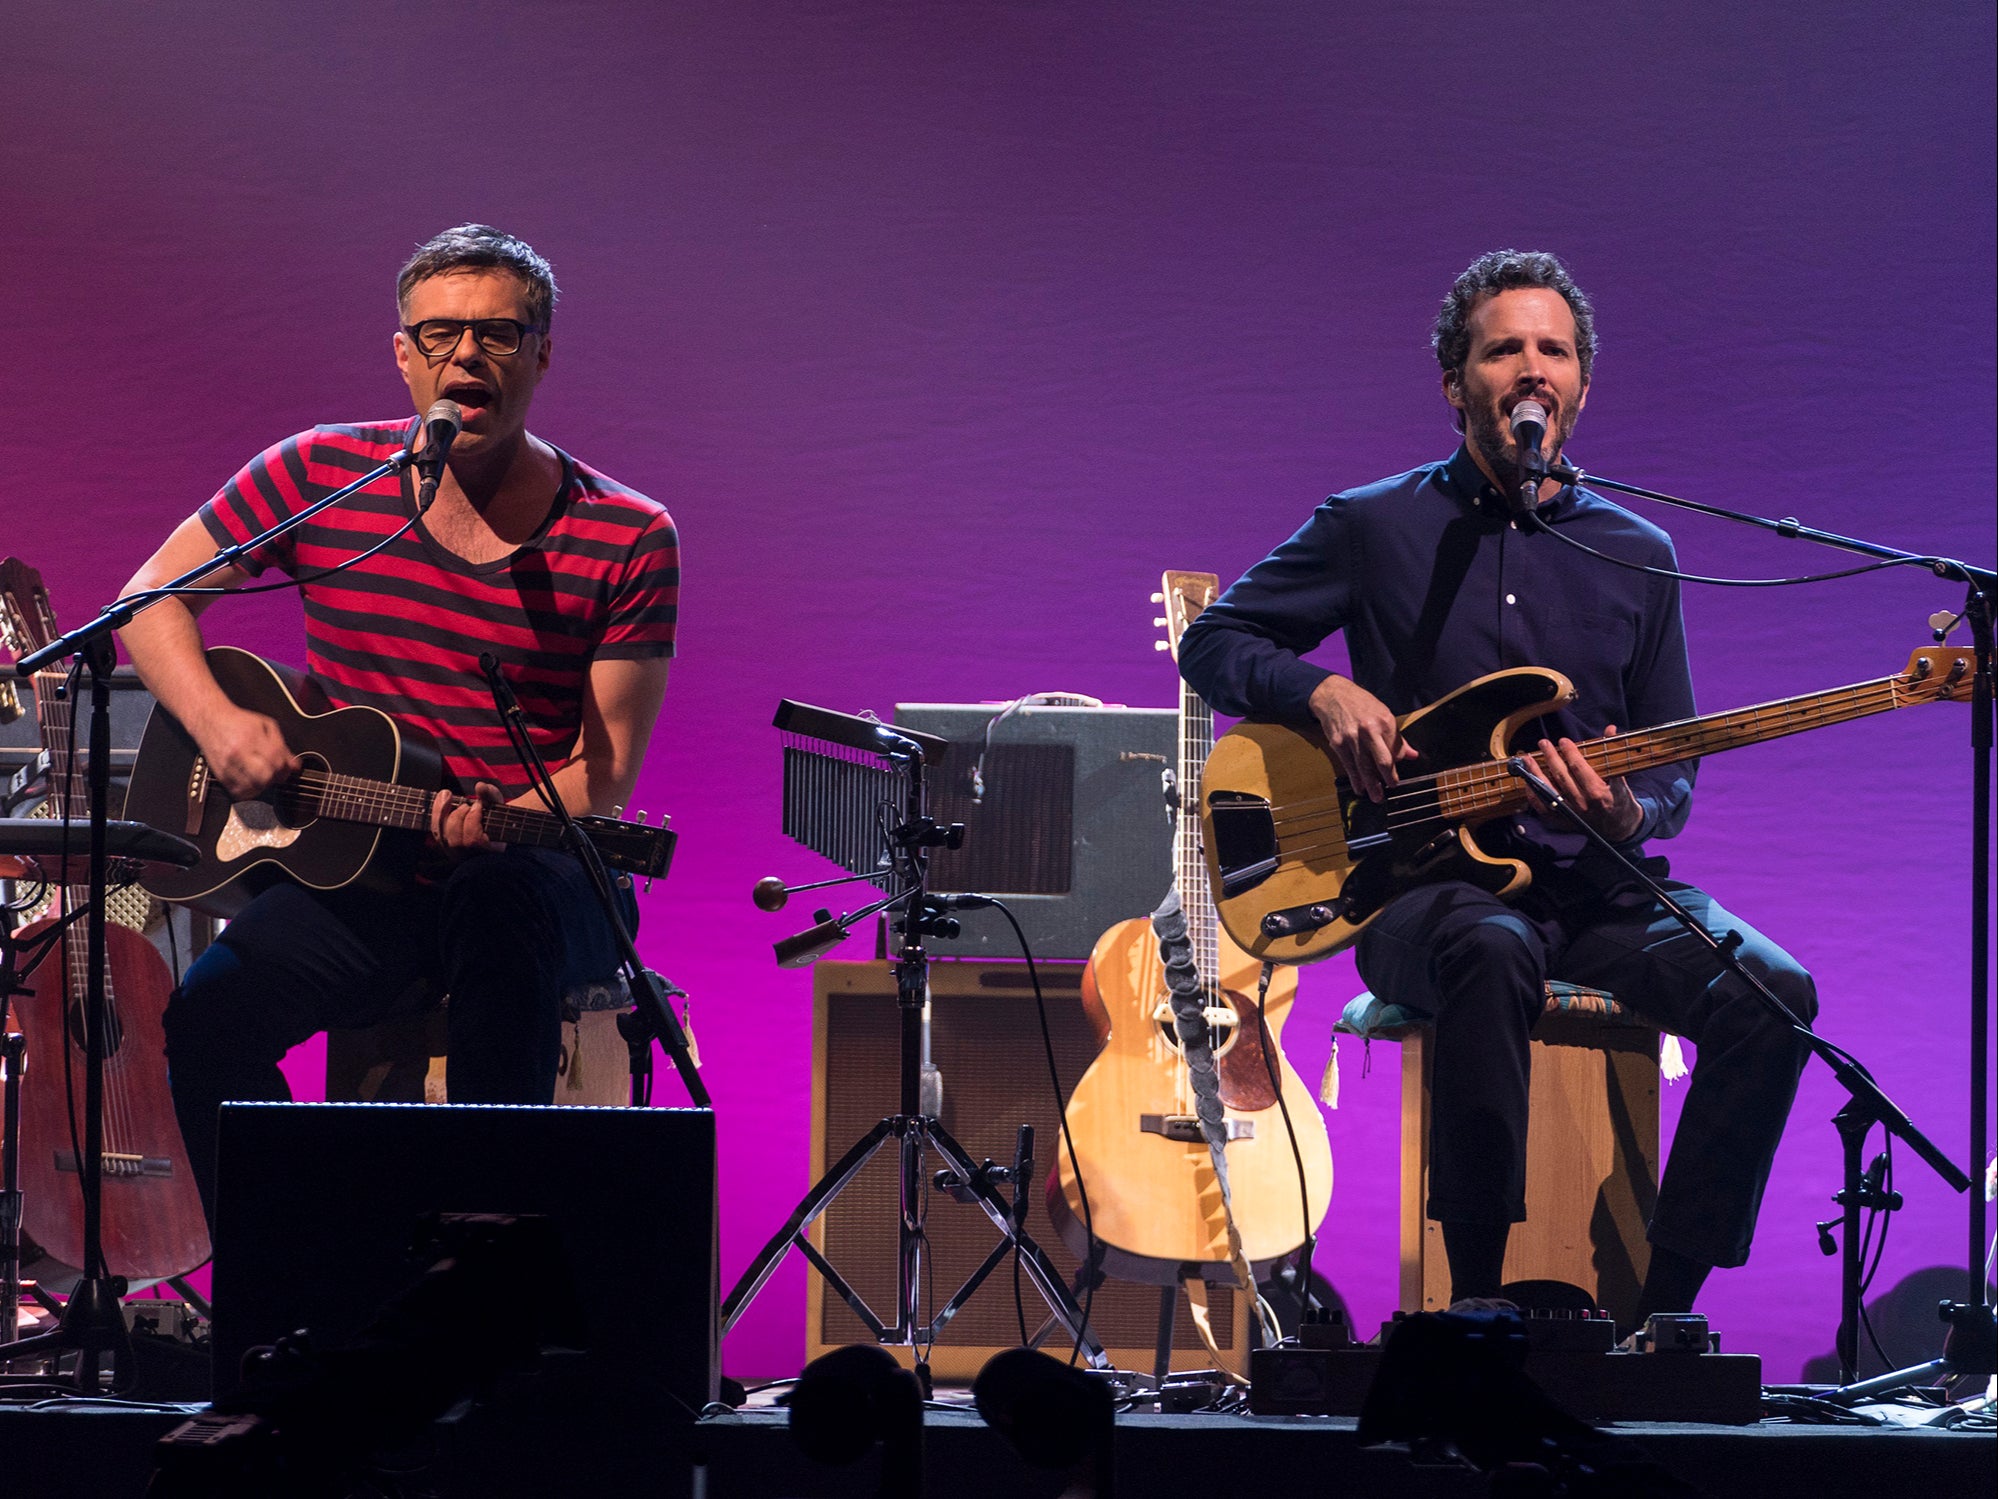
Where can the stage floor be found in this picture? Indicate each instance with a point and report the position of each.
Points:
(105, 1453)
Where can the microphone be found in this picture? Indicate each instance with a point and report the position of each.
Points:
(441, 425)
(812, 943)
(1529, 428)
(769, 893)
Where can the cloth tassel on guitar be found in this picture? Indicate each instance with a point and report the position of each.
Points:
(1671, 1058)
(1328, 1086)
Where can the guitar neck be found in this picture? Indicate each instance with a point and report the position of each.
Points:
(1492, 790)
(1196, 897)
(389, 805)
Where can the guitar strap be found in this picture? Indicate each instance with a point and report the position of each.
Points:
(1189, 999)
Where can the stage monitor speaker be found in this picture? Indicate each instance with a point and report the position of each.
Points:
(131, 706)
(318, 1204)
(1069, 822)
(986, 1042)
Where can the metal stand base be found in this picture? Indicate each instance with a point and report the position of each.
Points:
(915, 1134)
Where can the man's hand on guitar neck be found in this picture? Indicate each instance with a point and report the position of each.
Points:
(458, 822)
(1362, 734)
(1606, 806)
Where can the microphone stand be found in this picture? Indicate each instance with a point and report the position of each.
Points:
(93, 1320)
(654, 1017)
(1865, 1105)
(1981, 586)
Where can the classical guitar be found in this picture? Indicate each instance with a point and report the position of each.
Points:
(357, 813)
(152, 1225)
(1153, 1197)
(1300, 864)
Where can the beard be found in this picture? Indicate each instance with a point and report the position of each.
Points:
(1490, 433)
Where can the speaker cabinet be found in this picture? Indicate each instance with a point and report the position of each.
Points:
(1068, 821)
(317, 1204)
(986, 1042)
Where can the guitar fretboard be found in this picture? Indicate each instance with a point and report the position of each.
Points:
(1489, 790)
(344, 798)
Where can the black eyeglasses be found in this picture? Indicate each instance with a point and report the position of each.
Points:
(439, 336)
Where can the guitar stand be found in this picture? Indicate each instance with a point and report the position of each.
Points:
(914, 1135)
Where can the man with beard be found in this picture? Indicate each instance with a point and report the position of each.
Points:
(1435, 584)
(569, 578)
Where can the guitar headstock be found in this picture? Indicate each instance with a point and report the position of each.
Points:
(1184, 596)
(632, 846)
(27, 619)
(1938, 674)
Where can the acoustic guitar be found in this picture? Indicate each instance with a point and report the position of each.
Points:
(152, 1225)
(1154, 1200)
(357, 813)
(1300, 863)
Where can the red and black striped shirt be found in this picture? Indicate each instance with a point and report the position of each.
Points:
(402, 631)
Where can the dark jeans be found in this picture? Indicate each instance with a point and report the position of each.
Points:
(1478, 965)
(506, 935)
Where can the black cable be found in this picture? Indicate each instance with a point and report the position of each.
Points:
(147, 595)
(1929, 563)
(1089, 1267)
(1296, 1153)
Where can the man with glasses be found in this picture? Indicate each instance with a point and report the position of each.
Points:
(568, 577)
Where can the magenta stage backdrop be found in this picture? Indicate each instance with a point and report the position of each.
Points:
(943, 328)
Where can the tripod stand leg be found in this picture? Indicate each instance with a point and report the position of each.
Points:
(1040, 1269)
(815, 1202)
(855, 1302)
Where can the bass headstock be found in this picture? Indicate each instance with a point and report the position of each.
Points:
(1938, 674)
(1184, 596)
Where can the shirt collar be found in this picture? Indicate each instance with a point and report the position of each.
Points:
(1462, 477)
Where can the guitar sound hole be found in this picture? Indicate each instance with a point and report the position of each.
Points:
(296, 803)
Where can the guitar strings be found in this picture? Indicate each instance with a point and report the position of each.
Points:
(1447, 796)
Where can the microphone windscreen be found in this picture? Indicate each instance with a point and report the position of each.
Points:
(447, 414)
(1529, 415)
(769, 894)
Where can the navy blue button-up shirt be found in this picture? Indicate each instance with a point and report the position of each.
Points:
(1434, 587)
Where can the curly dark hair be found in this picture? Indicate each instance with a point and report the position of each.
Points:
(1503, 270)
(480, 247)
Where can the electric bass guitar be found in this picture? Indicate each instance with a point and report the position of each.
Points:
(1154, 1200)
(358, 811)
(1301, 864)
(151, 1225)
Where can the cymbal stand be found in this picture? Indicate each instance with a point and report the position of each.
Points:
(913, 1133)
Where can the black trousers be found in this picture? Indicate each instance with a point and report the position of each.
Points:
(506, 935)
(1478, 966)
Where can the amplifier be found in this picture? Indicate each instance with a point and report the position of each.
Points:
(131, 705)
(1067, 822)
(986, 1042)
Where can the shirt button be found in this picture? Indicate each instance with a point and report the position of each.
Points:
(1510, 599)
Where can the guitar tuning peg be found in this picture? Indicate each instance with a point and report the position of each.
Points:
(1158, 598)
(640, 817)
(1160, 645)
(1159, 622)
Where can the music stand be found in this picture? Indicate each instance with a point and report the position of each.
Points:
(857, 802)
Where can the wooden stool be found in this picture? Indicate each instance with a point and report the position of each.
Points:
(402, 1060)
(1591, 1150)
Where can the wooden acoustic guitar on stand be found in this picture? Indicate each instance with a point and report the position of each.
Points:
(1154, 1199)
(152, 1221)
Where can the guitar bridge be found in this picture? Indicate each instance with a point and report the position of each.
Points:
(1185, 1128)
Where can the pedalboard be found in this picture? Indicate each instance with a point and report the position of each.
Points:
(1676, 1371)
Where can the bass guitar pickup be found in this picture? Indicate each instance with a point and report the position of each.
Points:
(1185, 1128)
(1295, 921)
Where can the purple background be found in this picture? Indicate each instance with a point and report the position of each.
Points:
(943, 328)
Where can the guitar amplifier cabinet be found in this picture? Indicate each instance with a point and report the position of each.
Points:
(986, 1042)
(1069, 823)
